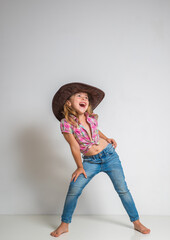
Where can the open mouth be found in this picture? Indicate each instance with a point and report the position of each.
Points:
(82, 105)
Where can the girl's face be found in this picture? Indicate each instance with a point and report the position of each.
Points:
(79, 101)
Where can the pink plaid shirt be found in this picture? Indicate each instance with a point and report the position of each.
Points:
(80, 133)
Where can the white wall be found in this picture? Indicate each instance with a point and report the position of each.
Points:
(119, 46)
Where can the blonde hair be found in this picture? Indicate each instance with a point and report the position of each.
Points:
(68, 110)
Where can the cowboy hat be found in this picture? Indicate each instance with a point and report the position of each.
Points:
(67, 90)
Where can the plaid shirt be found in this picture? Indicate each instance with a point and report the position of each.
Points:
(80, 133)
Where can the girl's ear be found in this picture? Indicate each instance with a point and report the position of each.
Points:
(68, 103)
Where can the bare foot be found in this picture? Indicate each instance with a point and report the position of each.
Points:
(141, 228)
(61, 229)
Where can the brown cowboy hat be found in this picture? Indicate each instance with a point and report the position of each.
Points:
(67, 90)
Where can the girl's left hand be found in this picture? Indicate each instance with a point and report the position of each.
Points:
(112, 141)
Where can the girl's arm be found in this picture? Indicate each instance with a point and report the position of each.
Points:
(77, 156)
(101, 135)
(75, 149)
(110, 140)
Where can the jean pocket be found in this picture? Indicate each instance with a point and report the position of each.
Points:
(110, 151)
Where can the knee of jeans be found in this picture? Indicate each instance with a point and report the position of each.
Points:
(123, 191)
(74, 190)
(122, 188)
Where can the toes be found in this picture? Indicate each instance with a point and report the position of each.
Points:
(147, 231)
(144, 231)
(54, 234)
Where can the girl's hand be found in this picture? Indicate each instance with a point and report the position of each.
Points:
(112, 141)
(77, 173)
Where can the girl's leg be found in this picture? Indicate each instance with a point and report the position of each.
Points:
(75, 189)
(114, 170)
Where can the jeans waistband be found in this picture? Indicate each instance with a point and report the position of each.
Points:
(96, 156)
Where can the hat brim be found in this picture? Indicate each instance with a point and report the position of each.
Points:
(67, 90)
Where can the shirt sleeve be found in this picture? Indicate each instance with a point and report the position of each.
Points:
(95, 116)
(65, 126)
(95, 119)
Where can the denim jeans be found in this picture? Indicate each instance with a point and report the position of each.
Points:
(106, 161)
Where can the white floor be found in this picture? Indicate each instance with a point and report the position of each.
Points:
(82, 227)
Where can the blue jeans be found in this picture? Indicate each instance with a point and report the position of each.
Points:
(106, 161)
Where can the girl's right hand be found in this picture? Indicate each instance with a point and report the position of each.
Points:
(77, 173)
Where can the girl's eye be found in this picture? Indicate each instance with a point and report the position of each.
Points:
(80, 95)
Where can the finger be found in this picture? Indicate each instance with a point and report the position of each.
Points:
(75, 178)
(85, 175)
(72, 177)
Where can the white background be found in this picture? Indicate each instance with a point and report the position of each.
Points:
(119, 46)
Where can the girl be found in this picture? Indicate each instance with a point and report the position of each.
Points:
(73, 106)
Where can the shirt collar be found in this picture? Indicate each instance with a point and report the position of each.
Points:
(76, 119)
